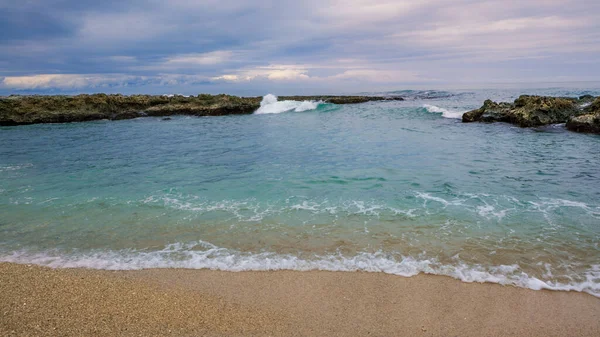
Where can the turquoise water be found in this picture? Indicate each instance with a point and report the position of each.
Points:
(395, 187)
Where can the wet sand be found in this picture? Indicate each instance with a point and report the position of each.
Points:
(38, 301)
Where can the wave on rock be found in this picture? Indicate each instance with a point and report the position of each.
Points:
(445, 112)
(270, 105)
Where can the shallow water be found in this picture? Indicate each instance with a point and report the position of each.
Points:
(396, 187)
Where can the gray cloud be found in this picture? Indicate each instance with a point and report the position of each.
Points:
(139, 46)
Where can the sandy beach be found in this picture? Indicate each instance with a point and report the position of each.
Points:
(39, 301)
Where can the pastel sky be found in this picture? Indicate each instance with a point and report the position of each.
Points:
(280, 46)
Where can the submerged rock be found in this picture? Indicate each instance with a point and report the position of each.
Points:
(526, 111)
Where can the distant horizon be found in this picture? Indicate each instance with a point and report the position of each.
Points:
(584, 85)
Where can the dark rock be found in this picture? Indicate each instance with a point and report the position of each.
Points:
(166, 119)
(489, 112)
(589, 122)
(526, 111)
(594, 107)
(585, 123)
(541, 110)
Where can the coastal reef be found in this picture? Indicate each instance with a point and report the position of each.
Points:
(528, 111)
(20, 110)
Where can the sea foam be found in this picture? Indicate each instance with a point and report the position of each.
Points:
(270, 105)
(204, 255)
(445, 112)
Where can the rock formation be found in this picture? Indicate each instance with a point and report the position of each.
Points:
(589, 121)
(17, 110)
(527, 111)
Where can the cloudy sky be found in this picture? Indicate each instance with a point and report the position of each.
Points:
(280, 46)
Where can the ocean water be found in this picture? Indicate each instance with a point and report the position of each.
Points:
(400, 187)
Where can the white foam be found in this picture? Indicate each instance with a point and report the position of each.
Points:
(489, 211)
(270, 105)
(498, 206)
(203, 255)
(548, 205)
(252, 210)
(445, 112)
(15, 167)
(428, 197)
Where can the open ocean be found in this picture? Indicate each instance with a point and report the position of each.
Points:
(400, 187)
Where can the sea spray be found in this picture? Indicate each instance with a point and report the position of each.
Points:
(445, 112)
(270, 105)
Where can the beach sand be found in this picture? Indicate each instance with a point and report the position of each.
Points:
(37, 301)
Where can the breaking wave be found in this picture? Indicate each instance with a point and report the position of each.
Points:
(270, 105)
(445, 112)
(204, 255)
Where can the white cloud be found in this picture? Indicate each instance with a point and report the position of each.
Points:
(377, 75)
(270, 72)
(226, 77)
(287, 74)
(81, 81)
(62, 81)
(343, 70)
(214, 57)
(478, 30)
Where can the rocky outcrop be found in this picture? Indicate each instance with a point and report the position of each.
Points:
(18, 110)
(589, 121)
(527, 111)
(489, 112)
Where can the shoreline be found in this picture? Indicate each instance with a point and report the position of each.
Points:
(37, 300)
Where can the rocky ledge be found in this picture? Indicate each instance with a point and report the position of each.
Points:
(587, 122)
(581, 114)
(19, 110)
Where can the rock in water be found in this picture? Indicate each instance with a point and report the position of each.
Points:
(589, 122)
(526, 111)
(594, 108)
(539, 110)
(489, 112)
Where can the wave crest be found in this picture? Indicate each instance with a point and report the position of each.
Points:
(445, 112)
(270, 105)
